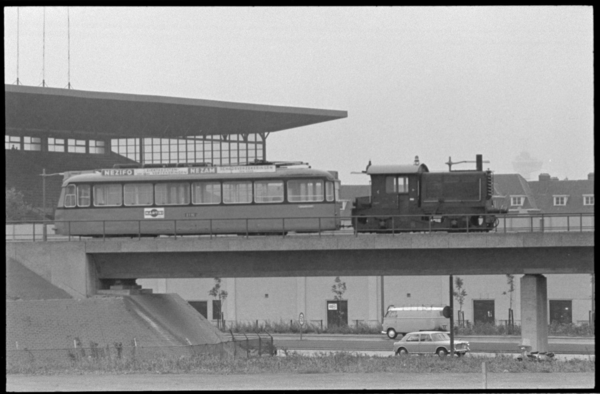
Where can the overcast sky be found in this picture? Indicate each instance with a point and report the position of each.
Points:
(428, 81)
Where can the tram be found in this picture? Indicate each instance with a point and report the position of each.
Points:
(201, 199)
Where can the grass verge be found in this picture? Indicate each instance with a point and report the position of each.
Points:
(296, 363)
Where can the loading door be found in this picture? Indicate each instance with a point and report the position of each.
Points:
(337, 313)
(483, 311)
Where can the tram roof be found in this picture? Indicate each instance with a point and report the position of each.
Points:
(118, 115)
(99, 176)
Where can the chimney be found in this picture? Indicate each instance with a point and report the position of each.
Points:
(544, 177)
(479, 160)
(591, 176)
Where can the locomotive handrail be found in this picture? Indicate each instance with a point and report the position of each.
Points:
(33, 230)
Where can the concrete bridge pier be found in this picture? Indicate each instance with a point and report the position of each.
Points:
(534, 312)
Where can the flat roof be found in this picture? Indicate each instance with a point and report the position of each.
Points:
(118, 115)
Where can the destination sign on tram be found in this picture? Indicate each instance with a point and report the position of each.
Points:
(187, 170)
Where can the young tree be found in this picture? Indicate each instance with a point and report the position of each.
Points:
(510, 281)
(338, 290)
(17, 208)
(459, 295)
(221, 295)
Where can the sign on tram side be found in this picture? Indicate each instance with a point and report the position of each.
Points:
(187, 170)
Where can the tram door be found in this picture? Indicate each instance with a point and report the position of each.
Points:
(337, 313)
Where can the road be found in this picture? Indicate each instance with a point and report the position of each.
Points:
(380, 343)
(316, 381)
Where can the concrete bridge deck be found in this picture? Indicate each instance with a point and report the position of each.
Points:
(78, 265)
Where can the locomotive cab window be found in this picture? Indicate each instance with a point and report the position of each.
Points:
(138, 194)
(206, 192)
(305, 190)
(396, 184)
(268, 191)
(176, 193)
(108, 195)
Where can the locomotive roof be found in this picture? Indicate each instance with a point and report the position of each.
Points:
(98, 176)
(396, 169)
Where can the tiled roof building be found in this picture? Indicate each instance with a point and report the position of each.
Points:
(566, 196)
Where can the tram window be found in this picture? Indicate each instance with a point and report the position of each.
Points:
(109, 195)
(305, 190)
(70, 197)
(206, 192)
(329, 191)
(395, 184)
(83, 195)
(138, 194)
(172, 193)
(237, 192)
(268, 191)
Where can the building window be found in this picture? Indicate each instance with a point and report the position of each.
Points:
(32, 143)
(96, 147)
(561, 311)
(12, 142)
(560, 200)
(76, 146)
(517, 201)
(588, 199)
(56, 145)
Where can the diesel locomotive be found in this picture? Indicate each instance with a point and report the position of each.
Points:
(409, 198)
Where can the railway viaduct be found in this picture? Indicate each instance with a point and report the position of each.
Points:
(79, 267)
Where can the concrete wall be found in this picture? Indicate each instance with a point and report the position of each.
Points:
(64, 264)
(363, 294)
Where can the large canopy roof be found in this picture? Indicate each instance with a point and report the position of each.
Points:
(116, 115)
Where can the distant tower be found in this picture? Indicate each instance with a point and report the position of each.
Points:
(524, 164)
(417, 160)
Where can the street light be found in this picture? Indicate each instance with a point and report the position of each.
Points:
(44, 175)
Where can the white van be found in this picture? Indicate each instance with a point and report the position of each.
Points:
(400, 320)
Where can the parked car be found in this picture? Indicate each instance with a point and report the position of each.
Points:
(429, 342)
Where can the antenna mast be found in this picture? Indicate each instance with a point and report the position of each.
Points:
(44, 51)
(68, 50)
(18, 83)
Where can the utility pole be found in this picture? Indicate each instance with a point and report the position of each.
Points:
(44, 234)
(451, 318)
